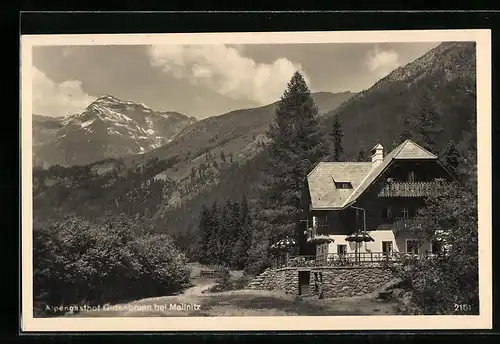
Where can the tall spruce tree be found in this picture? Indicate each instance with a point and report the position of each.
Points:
(297, 144)
(337, 135)
(214, 229)
(204, 236)
(243, 236)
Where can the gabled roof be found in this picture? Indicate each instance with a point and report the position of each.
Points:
(410, 150)
(320, 180)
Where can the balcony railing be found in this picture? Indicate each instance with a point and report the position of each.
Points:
(409, 189)
(407, 225)
(346, 259)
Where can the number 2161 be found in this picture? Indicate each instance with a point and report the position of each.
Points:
(462, 307)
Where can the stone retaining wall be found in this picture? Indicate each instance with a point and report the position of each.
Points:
(349, 281)
(328, 281)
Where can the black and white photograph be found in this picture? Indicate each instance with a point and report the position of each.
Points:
(227, 181)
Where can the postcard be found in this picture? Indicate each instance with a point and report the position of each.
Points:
(256, 181)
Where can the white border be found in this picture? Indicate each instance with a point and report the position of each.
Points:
(482, 321)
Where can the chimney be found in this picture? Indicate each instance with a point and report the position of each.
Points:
(377, 155)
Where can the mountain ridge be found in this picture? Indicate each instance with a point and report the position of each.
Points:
(220, 157)
(107, 127)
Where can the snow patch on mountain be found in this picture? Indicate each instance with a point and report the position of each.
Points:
(87, 123)
(124, 127)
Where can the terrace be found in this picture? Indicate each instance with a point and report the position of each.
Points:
(346, 259)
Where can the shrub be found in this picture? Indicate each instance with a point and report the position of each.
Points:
(78, 262)
(441, 284)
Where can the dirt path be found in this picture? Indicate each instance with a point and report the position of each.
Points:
(195, 301)
(197, 290)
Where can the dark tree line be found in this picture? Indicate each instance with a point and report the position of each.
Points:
(224, 234)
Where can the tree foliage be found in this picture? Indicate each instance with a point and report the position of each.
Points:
(337, 135)
(79, 262)
(450, 218)
(224, 234)
(297, 143)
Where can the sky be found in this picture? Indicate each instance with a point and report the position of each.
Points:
(205, 80)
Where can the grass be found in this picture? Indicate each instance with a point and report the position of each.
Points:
(247, 303)
(241, 302)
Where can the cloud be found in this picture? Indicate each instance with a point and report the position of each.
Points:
(382, 62)
(57, 99)
(225, 70)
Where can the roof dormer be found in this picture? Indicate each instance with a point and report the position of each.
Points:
(343, 185)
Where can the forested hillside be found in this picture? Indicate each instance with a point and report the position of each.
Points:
(150, 185)
(431, 100)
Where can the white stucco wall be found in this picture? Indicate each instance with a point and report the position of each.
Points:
(398, 244)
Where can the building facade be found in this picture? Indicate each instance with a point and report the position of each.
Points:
(379, 198)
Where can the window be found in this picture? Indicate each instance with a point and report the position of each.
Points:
(404, 213)
(322, 222)
(387, 213)
(412, 246)
(387, 247)
(343, 185)
(436, 247)
(411, 176)
(341, 249)
(414, 211)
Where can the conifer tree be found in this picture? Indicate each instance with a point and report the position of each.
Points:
(214, 233)
(243, 236)
(222, 156)
(296, 145)
(337, 135)
(204, 236)
(226, 233)
(451, 155)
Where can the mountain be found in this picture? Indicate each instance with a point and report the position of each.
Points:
(220, 157)
(194, 161)
(377, 115)
(237, 133)
(108, 127)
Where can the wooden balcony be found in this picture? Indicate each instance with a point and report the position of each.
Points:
(346, 259)
(407, 225)
(409, 189)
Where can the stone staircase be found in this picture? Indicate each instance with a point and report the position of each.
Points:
(260, 282)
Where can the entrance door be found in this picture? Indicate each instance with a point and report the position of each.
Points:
(304, 277)
(387, 247)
